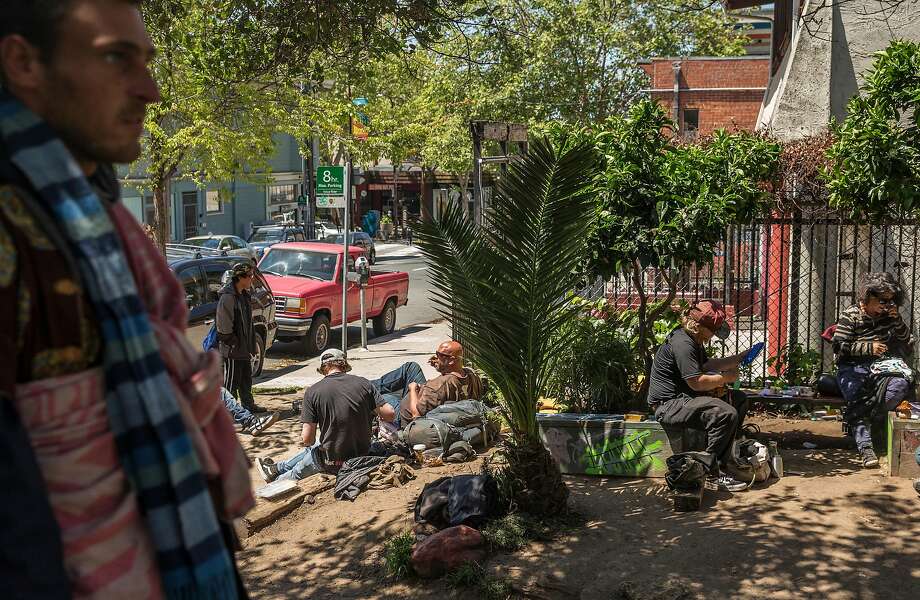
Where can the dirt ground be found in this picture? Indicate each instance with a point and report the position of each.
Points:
(837, 531)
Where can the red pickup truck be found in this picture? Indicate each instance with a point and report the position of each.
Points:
(306, 280)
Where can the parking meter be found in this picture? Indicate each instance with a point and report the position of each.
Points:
(363, 272)
(363, 269)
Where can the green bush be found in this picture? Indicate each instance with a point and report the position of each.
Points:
(397, 555)
(597, 371)
(472, 575)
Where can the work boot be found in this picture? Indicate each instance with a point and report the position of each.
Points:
(869, 459)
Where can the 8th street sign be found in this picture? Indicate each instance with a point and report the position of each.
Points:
(330, 181)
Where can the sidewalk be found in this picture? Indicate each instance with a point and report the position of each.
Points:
(396, 249)
(414, 343)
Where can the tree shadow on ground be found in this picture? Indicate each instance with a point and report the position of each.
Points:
(835, 533)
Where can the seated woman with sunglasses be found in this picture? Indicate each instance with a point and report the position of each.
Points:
(868, 333)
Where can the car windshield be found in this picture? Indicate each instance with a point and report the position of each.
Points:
(338, 239)
(202, 242)
(266, 235)
(299, 263)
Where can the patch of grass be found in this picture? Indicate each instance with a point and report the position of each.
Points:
(284, 389)
(397, 555)
(509, 533)
(472, 576)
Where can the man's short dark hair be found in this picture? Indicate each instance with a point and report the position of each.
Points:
(37, 21)
(878, 284)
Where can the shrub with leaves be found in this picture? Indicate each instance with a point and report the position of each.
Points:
(875, 160)
(397, 555)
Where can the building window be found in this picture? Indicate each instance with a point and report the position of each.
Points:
(214, 203)
(148, 210)
(691, 123)
(281, 199)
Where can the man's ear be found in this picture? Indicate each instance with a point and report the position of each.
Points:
(21, 64)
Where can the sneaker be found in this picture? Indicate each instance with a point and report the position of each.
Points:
(725, 483)
(261, 424)
(267, 469)
(869, 459)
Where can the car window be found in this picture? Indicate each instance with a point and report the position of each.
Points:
(237, 244)
(202, 242)
(225, 244)
(194, 286)
(214, 272)
(299, 263)
(266, 235)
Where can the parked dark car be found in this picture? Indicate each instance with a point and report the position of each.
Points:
(202, 278)
(359, 239)
(266, 236)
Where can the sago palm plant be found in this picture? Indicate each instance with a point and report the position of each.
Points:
(505, 286)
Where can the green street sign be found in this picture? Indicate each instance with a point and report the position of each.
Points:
(330, 181)
(302, 200)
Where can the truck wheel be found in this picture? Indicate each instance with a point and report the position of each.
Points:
(385, 322)
(317, 339)
(259, 359)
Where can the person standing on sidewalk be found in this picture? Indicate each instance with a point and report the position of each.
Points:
(236, 335)
(121, 470)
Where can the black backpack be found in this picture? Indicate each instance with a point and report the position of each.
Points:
(462, 500)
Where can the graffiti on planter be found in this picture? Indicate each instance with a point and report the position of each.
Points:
(631, 455)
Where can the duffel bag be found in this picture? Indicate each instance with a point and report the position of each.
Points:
(430, 432)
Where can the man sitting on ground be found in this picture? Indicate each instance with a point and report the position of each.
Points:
(684, 384)
(343, 406)
(407, 390)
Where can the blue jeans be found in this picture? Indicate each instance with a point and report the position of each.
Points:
(239, 413)
(394, 386)
(852, 378)
(301, 465)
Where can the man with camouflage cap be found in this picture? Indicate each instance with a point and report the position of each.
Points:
(236, 334)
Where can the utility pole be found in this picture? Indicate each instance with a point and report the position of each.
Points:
(345, 254)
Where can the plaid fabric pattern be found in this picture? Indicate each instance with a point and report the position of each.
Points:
(153, 444)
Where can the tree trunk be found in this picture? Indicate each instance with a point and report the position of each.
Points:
(531, 480)
(425, 215)
(161, 205)
(464, 180)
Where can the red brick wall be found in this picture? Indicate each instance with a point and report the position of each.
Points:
(726, 109)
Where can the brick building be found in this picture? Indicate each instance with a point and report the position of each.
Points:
(705, 93)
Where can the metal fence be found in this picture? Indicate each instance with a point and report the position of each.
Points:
(784, 280)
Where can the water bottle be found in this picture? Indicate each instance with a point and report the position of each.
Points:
(776, 461)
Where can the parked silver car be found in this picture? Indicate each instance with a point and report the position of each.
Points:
(231, 244)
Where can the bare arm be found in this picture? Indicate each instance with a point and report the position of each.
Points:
(308, 434)
(412, 400)
(386, 413)
(706, 382)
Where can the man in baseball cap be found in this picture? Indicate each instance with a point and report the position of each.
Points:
(687, 389)
(342, 406)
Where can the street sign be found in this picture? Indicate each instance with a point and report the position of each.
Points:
(302, 200)
(330, 181)
(330, 202)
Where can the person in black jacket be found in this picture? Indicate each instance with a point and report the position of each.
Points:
(236, 335)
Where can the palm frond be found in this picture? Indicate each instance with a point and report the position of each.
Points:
(505, 285)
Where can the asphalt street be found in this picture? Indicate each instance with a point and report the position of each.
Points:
(281, 357)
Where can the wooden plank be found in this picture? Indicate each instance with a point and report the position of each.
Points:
(903, 441)
(267, 512)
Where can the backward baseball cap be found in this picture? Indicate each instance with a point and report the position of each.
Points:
(332, 354)
(241, 269)
(711, 315)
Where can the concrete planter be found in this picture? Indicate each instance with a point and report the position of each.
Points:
(609, 445)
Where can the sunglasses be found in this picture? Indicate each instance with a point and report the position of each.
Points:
(443, 356)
